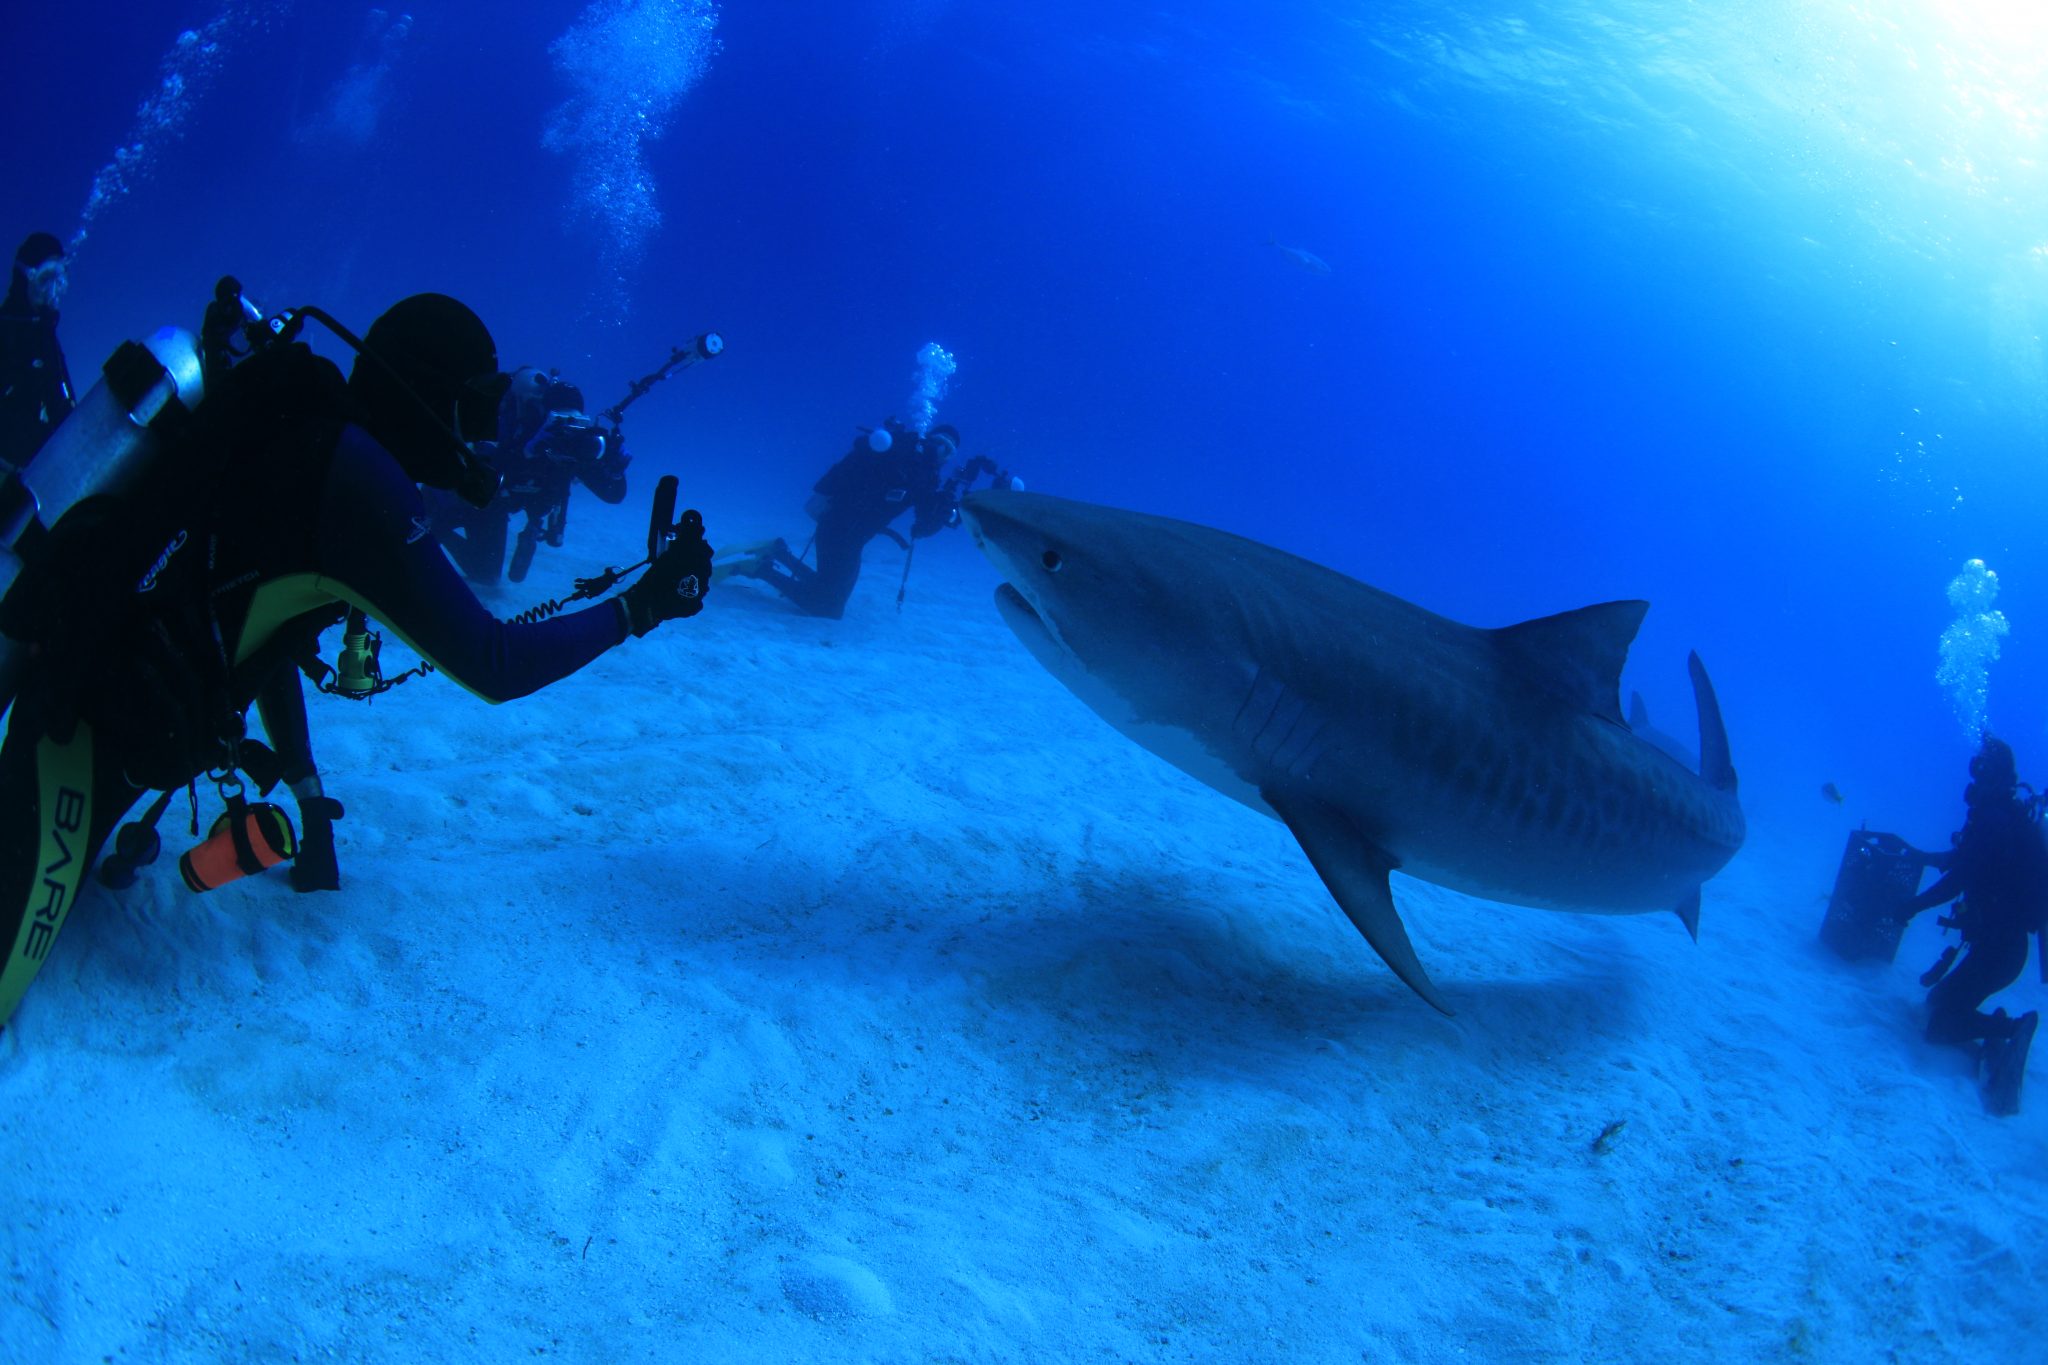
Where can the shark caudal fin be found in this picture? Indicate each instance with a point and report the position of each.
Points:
(1715, 765)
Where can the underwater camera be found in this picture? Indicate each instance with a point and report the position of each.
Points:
(569, 438)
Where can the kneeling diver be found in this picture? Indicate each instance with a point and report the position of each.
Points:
(1998, 868)
(150, 621)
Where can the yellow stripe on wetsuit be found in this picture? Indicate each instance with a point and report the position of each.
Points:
(64, 825)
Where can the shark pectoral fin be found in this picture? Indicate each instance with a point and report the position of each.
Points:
(1688, 912)
(1355, 871)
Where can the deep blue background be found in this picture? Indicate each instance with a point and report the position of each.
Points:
(1734, 310)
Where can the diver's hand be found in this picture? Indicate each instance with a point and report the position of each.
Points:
(675, 584)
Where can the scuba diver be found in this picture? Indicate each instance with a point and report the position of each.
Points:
(889, 470)
(1998, 867)
(142, 624)
(35, 386)
(546, 442)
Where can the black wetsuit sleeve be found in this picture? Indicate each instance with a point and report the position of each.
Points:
(1941, 893)
(377, 550)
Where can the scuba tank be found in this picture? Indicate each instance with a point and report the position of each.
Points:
(145, 390)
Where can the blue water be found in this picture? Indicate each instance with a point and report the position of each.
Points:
(1735, 307)
(1731, 309)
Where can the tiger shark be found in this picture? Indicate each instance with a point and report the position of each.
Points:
(1494, 762)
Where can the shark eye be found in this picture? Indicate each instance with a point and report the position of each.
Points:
(1051, 560)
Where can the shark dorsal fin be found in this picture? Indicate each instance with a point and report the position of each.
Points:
(1577, 654)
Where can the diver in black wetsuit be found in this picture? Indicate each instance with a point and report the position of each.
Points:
(151, 644)
(35, 386)
(1999, 868)
(889, 471)
(546, 444)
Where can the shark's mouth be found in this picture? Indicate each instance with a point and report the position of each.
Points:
(1031, 626)
(1018, 612)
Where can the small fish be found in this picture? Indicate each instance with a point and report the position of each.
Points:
(1829, 791)
(1307, 260)
(1604, 1144)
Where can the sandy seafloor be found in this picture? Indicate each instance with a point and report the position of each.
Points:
(779, 989)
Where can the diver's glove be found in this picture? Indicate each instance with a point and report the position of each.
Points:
(313, 866)
(675, 584)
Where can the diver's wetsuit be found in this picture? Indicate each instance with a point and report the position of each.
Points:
(292, 537)
(35, 386)
(865, 491)
(2000, 869)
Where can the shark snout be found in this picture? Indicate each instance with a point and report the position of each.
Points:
(997, 531)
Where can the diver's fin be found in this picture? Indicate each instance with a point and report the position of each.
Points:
(744, 568)
(1688, 912)
(749, 548)
(2008, 1058)
(1355, 871)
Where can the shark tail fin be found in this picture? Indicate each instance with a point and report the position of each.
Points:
(1638, 714)
(1715, 765)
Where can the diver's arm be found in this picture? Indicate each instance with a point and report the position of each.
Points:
(377, 550)
(1941, 893)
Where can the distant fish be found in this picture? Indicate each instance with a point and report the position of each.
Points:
(1831, 792)
(1307, 260)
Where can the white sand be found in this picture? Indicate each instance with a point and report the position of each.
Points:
(781, 990)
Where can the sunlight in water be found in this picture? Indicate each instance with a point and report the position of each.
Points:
(1922, 118)
(2018, 27)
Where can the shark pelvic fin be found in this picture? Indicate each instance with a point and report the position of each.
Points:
(1688, 912)
(1355, 871)
(1578, 654)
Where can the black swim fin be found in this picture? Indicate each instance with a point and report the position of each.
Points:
(2007, 1066)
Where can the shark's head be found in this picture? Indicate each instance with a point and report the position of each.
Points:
(1095, 591)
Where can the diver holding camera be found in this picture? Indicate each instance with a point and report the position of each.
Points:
(547, 443)
(175, 549)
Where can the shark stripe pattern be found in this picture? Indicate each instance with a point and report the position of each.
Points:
(1494, 762)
